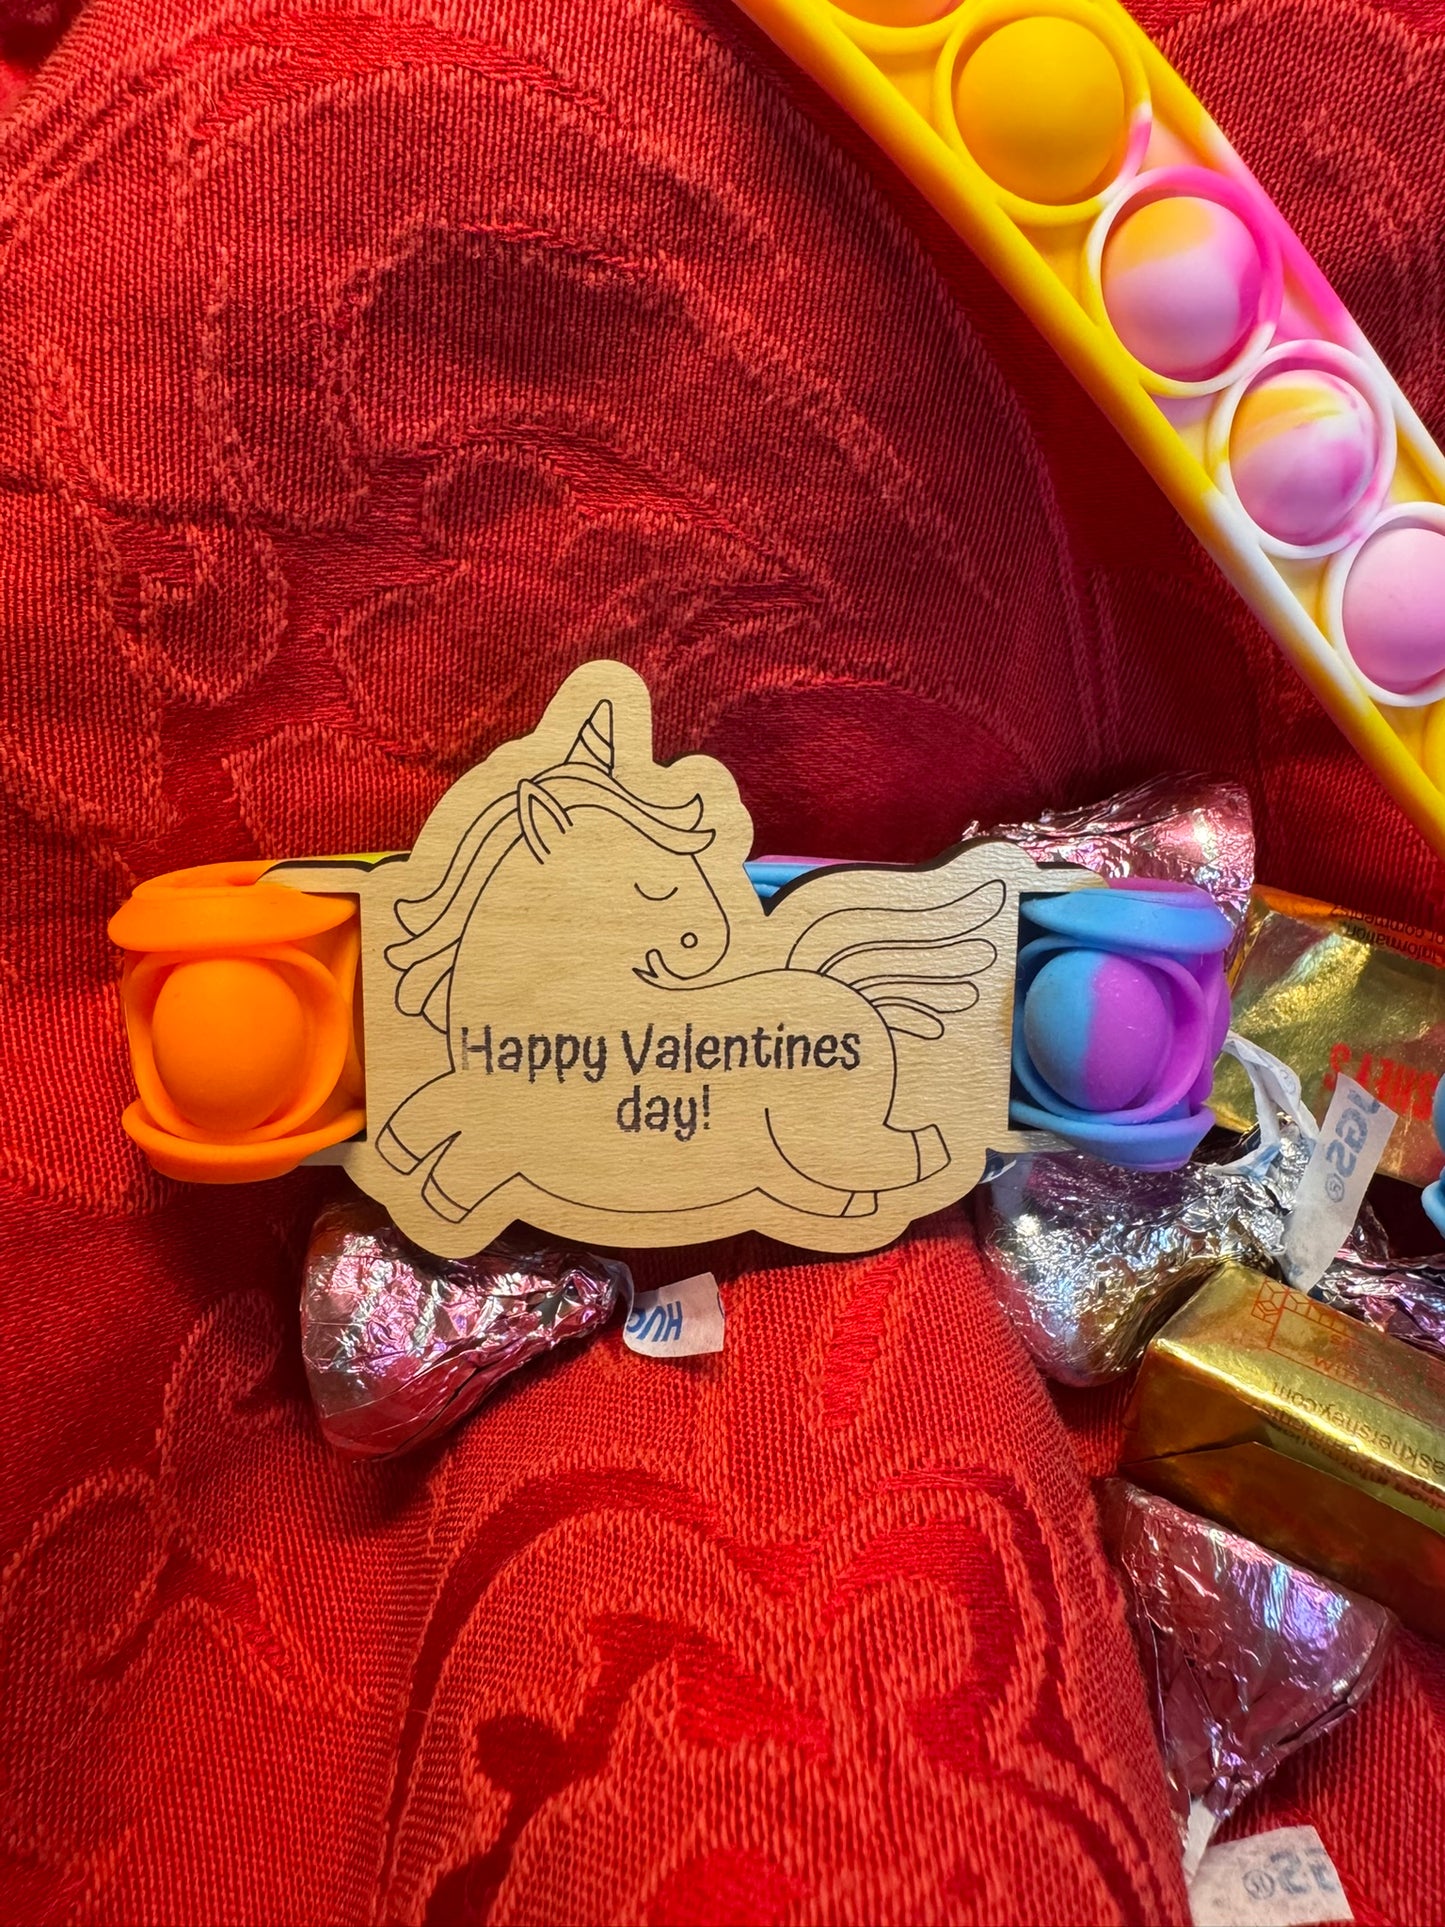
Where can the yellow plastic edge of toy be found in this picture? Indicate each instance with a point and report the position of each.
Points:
(809, 31)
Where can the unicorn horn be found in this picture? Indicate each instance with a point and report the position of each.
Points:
(594, 739)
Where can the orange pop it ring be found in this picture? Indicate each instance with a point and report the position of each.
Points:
(239, 998)
(1059, 143)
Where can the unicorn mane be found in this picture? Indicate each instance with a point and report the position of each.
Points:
(584, 779)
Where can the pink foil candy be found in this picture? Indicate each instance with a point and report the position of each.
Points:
(400, 1346)
(1176, 829)
(1246, 1657)
(1181, 829)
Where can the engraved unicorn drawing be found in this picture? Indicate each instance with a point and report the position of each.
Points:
(577, 956)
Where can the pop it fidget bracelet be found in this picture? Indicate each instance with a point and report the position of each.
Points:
(238, 1002)
(575, 958)
(1065, 150)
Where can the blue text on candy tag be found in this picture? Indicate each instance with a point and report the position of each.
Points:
(676, 1321)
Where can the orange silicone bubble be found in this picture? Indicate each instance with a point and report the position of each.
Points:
(229, 1036)
(1042, 109)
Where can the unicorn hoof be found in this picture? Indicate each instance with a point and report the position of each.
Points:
(444, 1206)
(932, 1151)
(862, 1204)
(390, 1147)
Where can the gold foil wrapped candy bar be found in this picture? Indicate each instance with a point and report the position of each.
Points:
(1304, 1430)
(1332, 992)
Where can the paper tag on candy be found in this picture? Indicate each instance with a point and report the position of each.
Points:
(1283, 1878)
(1351, 1143)
(1276, 1092)
(1197, 1836)
(677, 1321)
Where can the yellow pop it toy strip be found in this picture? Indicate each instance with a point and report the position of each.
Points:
(1062, 146)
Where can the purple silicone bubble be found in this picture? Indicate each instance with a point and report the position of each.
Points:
(1181, 1070)
(1096, 1027)
(1182, 279)
(1305, 445)
(1160, 308)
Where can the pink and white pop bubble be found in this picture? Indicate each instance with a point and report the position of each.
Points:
(1393, 608)
(1182, 280)
(1304, 450)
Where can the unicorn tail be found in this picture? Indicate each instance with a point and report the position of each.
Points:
(915, 966)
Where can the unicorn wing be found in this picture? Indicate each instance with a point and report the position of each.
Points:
(914, 965)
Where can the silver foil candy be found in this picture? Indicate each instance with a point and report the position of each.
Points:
(1406, 1301)
(1246, 1657)
(1090, 1260)
(400, 1346)
(1186, 829)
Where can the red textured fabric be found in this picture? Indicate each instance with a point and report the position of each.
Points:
(363, 368)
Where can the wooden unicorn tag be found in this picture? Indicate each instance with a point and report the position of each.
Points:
(578, 1013)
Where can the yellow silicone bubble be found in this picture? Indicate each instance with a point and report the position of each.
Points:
(1041, 108)
(896, 13)
(230, 1042)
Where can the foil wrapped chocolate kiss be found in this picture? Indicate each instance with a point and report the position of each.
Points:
(1175, 829)
(1089, 1260)
(1247, 1657)
(1402, 1300)
(400, 1346)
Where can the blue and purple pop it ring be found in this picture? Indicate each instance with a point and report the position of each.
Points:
(1121, 1008)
